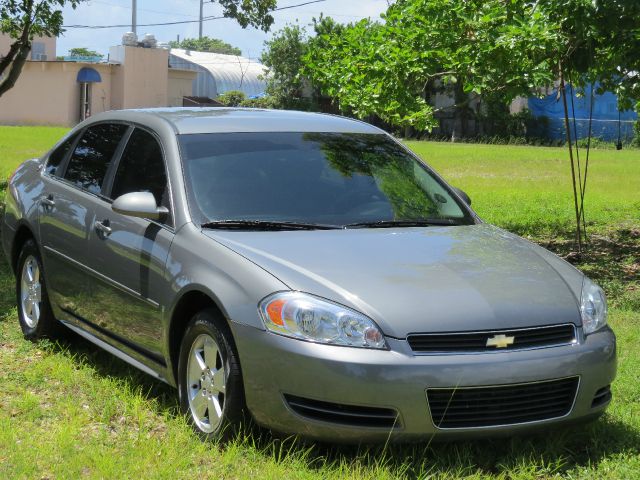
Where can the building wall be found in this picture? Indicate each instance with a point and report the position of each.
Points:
(49, 44)
(143, 73)
(47, 94)
(180, 84)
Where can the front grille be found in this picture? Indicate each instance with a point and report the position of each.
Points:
(351, 415)
(474, 407)
(477, 341)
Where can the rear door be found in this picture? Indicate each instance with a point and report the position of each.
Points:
(73, 180)
(128, 254)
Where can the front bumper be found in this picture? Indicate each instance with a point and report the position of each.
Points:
(274, 366)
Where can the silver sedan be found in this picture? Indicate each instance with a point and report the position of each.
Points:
(305, 270)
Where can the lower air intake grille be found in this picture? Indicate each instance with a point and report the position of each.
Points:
(501, 405)
(343, 414)
(601, 397)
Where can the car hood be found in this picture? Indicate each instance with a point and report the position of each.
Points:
(410, 280)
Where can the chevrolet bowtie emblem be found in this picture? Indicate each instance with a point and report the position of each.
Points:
(500, 341)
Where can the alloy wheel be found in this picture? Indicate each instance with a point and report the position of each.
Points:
(206, 383)
(30, 292)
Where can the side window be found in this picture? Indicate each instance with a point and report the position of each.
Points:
(93, 154)
(58, 155)
(142, 169)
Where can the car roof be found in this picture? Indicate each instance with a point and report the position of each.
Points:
(227, 120)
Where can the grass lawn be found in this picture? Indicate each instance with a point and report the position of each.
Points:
(69, 410)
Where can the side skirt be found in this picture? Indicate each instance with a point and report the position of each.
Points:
(115, 351)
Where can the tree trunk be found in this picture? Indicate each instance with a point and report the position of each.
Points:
(16, 58)
(6, 60)
(15, 69)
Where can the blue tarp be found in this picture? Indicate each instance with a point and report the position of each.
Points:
(605, 115)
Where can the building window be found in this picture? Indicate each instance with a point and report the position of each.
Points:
(38, 51)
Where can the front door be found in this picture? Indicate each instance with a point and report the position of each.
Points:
(128, 254)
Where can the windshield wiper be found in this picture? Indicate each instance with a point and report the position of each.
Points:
(265, 225)
(404, 223)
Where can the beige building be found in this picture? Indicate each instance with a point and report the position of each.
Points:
(61, 93)
(42, 48)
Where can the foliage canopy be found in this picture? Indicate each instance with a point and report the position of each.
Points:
(206, 44)
(494, 48)
(84, 52)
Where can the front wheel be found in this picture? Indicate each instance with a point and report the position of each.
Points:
(209, 377)
(34, 310)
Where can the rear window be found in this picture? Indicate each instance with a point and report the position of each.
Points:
(59, 154)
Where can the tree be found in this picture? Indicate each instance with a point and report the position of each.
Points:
(23, 20)
(283, 57)
(287, 84)
(250, 12)
(487, 47)
(495, 48)
(206, 44)
(84, 52)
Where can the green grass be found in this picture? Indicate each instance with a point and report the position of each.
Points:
(528, 189)
(18, 144)
(69, 410)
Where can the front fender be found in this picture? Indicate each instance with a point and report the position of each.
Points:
(198, 263)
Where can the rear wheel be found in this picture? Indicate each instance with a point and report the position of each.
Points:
(34, 310)
(209, 377)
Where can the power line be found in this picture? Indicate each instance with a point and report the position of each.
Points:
(182, 22)
(128, 7)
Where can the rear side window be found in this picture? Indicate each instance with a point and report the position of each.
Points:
(141, 168)
(93, 154)
(59, 154)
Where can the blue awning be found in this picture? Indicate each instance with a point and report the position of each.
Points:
(88, 75)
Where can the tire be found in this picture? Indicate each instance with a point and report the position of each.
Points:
(209, 378)
(34, 310)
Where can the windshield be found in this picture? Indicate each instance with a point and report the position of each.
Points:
(337, 179)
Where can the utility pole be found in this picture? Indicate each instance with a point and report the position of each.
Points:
(134, 16)
(201, 17)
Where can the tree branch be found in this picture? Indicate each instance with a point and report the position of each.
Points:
(16, 68)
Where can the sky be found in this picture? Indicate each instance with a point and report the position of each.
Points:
(249, 40)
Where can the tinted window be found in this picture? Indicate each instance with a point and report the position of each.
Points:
(141, 168)
(93, 154)
(58, 155)
(328, 178)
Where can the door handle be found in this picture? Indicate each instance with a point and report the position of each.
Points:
(103, 228)
(48, 201)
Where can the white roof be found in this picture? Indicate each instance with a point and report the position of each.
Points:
(230, 72)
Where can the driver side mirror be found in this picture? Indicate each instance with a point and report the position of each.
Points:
(462, 194)
(139, 204)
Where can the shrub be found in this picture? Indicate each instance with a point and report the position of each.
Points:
(232, 98)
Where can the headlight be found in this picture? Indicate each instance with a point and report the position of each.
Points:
(305, 317)
(593, 307)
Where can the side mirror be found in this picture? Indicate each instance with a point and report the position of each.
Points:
(462, 194)
(139, 204)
